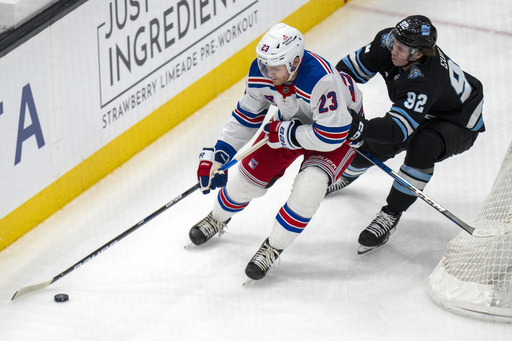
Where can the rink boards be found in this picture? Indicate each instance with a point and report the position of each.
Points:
(97, 86)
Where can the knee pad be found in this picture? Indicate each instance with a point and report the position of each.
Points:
(308, 191)
(240, 189)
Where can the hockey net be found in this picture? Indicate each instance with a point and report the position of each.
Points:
(474, 278)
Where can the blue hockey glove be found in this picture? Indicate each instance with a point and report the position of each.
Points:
(210, 161)
(281, 134)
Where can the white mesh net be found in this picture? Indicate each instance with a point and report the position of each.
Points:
(474, 277)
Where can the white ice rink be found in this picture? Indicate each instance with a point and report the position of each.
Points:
(148, 287)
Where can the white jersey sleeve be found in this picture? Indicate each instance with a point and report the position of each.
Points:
(330, 103)
(248, 116)
(330, 97)
(320, 98)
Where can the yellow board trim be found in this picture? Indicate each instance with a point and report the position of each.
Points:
(114, 154)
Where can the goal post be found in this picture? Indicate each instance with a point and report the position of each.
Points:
(474, 278)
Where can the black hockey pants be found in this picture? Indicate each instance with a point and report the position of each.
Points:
(434, 141)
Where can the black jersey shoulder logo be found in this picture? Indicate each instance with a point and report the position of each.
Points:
(415, 72)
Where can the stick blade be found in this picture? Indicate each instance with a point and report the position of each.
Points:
(30, 288)
(486, 233)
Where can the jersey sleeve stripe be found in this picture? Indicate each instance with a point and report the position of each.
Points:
(322, 62)
(260, 82)
(331, 135)
(247, 118)
(361, 74)
(302, 94)
(403, 113)
(407, 126)
(364, 71)
(476, 120)
(354, 72)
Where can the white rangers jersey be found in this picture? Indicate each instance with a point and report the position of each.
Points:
(320, 97)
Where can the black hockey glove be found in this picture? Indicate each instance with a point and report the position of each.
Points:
(358, 129)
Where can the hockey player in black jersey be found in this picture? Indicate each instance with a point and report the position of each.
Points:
(436, 113)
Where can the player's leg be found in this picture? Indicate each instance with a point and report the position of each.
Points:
(308, 191)
(432, 143)
(230, 200)
(424, 149)
(248, 181)
(360, 164)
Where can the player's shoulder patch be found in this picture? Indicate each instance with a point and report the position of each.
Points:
(415, 72)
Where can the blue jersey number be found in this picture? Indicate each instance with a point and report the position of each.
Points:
(328, 102)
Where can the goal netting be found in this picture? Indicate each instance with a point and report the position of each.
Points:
(474, 278)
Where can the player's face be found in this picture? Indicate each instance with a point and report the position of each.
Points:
(278, 74)
(400, 54)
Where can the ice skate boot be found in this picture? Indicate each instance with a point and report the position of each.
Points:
(262, 261)
(342, 182)
(204, 230)
(379, 230)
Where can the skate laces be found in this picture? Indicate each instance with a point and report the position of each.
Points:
(383, 223)
(342, 182)
(210, 226)
(266, 256)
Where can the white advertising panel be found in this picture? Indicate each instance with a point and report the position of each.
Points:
(93, 74)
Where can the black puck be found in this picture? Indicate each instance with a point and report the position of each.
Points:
(61, 298)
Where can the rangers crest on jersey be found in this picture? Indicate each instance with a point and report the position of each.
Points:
(270, 98)
(253, 163)
(415, 73)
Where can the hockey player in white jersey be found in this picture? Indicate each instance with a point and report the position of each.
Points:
(313, 121)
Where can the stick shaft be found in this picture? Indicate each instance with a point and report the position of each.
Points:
(419, 193)
(135, 227)
(152, 215)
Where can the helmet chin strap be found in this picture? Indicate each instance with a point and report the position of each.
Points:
(293, 72)
(291, 76)
(410, 61)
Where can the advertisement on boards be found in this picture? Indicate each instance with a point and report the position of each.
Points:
(102, 68)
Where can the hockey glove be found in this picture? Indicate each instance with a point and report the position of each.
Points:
(281, 134)
(358, 129)
(210, 161)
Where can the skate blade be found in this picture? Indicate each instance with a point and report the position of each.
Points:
(248, 282)
(364, 249)
(189, 245)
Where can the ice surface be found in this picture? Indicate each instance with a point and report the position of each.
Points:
(149, 287)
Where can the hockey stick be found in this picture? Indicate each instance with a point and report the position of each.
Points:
(109, 244)
(419, 193)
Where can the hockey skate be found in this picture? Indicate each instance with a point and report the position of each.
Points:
(342, 182)
(379, 230)
(204, 230)
(262, 261)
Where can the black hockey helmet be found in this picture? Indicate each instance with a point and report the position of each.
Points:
(416, 31)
